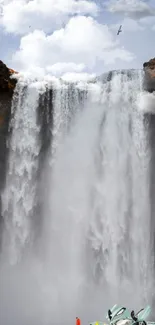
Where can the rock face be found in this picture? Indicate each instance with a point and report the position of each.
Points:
(7, 86)
(149, 80)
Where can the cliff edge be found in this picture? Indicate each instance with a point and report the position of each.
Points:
(7, 83)
(149, 78)
(7, 86)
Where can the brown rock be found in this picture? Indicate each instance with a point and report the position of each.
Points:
(149, 79)
(7, 84)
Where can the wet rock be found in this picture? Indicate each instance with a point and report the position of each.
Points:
(149, 78)
(7, 84)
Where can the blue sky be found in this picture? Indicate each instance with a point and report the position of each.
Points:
(76, 36)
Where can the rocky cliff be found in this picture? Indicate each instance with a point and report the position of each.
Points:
(149, 79)
(7, 85)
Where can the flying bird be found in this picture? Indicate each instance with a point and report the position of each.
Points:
(119, 30)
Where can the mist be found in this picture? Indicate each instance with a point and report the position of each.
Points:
(75, 223)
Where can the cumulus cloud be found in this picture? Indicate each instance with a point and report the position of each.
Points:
(129, 25)
(74, 77)
(80, 44)
(135, 9)
(148, 22)
(63, 67)
(24, 16)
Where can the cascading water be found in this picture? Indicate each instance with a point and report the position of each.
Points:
(96, 220)
(19, 195)
(120, 205)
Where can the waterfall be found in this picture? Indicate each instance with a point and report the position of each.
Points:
(120, 205)
(19, 194)
(95, 241)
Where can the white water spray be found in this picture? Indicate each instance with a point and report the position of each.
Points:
(97, 211)
(20, 191)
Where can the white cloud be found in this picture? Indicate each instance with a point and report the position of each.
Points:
(24, 16)
(82, 43)
(135, 9)
(63, 67)
(74, 77)
(148, 21)
(128, 25)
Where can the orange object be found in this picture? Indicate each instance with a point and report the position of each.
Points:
(12, 71)
(78, 321)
